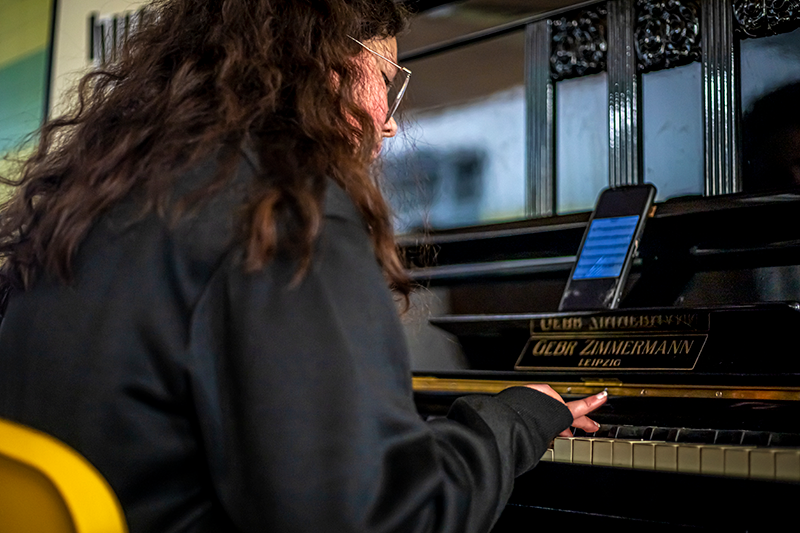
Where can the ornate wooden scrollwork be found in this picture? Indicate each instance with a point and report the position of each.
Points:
(759, 18)
(579, 44)
(667, 33)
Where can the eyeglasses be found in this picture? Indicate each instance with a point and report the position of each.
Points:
(396, 87)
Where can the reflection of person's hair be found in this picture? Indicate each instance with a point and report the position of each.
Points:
(769, 148)
(278, 74)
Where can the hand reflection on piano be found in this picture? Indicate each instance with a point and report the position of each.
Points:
(578, 408)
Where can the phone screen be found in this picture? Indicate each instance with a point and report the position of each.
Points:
(606, 247)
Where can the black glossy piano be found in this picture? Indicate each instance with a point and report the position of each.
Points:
(702, 427)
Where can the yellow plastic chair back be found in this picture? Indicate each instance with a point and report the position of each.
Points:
(47, 487)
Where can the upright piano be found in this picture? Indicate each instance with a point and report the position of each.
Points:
(702, 427)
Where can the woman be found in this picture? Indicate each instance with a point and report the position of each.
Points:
(196, 304)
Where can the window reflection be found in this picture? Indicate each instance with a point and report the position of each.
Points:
(767, 64)
(673, 131)
(770, 81)
(459, 158)
(448, 183)
(771, 141)
(581, 142)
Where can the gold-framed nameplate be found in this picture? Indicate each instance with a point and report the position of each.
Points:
(641, 342)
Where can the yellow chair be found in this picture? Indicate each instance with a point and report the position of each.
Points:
(47, 487)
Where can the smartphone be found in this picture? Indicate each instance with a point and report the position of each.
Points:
(608, 248)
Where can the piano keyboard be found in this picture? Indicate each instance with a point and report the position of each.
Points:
(755, 455)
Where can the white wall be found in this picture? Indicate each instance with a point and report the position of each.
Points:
(71, 47)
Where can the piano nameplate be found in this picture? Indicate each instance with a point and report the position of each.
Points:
(611, 352)
(616, 322)
(630, 341)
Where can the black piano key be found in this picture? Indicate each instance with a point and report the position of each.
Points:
(785, 440)
(696, 436)
(607, 431)
(756, 438)
(632, 432)
(729, 436)
(660, 434)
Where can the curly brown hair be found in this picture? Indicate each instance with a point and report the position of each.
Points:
(196, 77)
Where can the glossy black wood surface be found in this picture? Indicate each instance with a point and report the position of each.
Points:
(686, 235)
(695, 248)
(555, 495)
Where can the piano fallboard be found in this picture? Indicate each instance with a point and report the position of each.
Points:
(742, 345)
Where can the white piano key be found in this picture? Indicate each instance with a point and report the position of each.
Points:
(787, 465)
(622, 453)
(666, 456)
(712, 460)
(602, 452)
(562, 450)
(582, 450)
(689, 458)
(762, 463)
(737, 461)
(729, 460)
(644, 455)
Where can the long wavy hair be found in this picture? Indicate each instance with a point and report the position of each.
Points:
(196, 77)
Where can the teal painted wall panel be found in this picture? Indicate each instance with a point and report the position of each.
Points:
(22, 94)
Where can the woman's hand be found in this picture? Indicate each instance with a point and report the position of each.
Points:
(579, 408)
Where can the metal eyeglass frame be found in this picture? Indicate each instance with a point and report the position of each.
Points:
(400, 71)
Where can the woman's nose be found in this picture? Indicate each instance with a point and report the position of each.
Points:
(389, 128)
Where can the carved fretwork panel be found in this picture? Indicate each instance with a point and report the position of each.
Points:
(667, 33)
(579, 44)
(759, 18)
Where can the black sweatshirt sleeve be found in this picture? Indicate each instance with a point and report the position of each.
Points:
(305, 407)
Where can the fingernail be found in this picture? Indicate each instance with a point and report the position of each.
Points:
(602, 395)
(596, 424)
